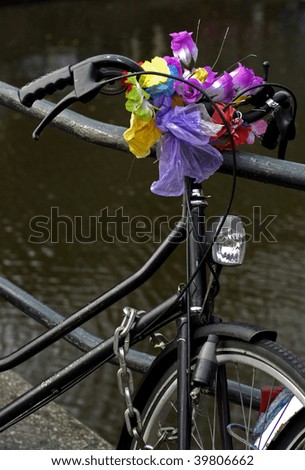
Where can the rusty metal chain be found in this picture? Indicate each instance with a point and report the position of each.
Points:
(121, 347)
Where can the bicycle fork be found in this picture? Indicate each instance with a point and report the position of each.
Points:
(206, 373)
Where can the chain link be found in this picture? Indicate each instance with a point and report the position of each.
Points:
(121, 347)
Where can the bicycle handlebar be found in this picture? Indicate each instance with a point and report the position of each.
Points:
(85, 77)
(279, 98)
(281, 127)
(91, 75)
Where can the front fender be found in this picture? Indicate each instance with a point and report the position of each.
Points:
(231, 330)
(243, 331)
(240, 331)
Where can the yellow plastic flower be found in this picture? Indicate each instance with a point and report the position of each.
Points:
(158, 64)
(141, 136)
(241, 99)
(201, 74)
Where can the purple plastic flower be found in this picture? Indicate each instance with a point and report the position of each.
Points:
(258, 128)
(163, 105)
(184, 47)
(174, 61)
(184, 149)
(243, 77)
(210, 78)
(222, 89)
(189, 93)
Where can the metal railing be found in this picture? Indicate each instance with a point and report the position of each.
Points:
(256, 167)
(251, 166)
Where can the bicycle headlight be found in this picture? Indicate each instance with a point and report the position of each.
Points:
(230, 244)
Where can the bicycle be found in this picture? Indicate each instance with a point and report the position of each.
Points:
(218, 384)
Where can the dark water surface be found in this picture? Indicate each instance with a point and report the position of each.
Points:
(73, 180)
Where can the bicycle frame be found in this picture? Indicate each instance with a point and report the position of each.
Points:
(183, 307)
(190, 306)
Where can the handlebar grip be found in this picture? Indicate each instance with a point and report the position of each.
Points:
(45, 85)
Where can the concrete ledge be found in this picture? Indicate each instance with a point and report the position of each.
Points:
(49, 428)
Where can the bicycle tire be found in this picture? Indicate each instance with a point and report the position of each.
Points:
(260, 364)
(293, 436)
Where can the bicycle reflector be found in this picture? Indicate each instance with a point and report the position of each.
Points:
(230, 245)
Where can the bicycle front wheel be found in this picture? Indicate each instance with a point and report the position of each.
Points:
(247, 407)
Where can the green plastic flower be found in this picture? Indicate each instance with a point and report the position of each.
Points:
(138, 100)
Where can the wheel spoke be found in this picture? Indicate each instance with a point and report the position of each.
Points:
(249, 373)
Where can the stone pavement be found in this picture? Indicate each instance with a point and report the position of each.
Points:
(49, 428)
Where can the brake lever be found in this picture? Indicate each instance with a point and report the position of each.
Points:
(61, 105)
(286, 128)
(88, 78)
(281, 126)
(84, 91)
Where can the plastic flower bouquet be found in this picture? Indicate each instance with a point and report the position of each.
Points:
(169, 105)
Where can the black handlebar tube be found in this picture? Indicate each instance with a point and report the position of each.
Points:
(280, 98)
(94, 73)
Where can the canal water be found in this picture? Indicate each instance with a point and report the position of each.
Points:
(65, 183)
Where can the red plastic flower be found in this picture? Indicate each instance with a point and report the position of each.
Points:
(238, 129)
